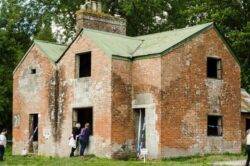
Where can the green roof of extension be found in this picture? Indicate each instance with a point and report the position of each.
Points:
(52, 50)
(129, 47)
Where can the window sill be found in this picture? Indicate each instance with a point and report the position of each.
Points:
(214, 136)
(210, 78)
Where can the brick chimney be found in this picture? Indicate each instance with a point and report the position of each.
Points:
(91, 16)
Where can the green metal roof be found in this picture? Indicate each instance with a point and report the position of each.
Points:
(52, 50)
(124, 46)
(129, 47)
(159, 42)
(113, 44)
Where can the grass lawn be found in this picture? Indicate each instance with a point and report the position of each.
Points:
(94, 161)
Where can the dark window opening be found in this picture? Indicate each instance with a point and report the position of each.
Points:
(214, 125)
(33, 133)
(85, 65)
(214, 69)
(33, 71)
(247, 124)
(83, 116)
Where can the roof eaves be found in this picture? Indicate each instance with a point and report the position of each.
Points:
(25, 55)
(119, 57)
(148, 56)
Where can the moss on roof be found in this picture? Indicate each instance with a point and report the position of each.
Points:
(52, 50)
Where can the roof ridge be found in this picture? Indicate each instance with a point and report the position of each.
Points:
(114, 34)
(152, 34)
(44, 41)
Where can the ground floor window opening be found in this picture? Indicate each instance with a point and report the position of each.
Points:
(214, 125)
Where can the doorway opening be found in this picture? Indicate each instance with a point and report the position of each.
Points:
(140, 129)
(83, 116)
(247, 124)
(33, 133)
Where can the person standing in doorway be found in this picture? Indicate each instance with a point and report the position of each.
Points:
(2, 143)
(84, 138)
(248, 147)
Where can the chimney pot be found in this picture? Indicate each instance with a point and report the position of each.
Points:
(101, 22)
(99, 7)
(94, 6)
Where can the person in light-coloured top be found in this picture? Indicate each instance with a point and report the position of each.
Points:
(248, 147)
(2, 143)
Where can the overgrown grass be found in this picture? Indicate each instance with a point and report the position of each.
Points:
(95, 161)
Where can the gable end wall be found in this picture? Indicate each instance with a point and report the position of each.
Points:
(188, 97)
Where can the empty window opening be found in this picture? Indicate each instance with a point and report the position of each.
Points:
(33, 133)
(84, 62)
(33, 71)
(214, 125)
(140, 129)
(214, 69)
(83, 116)
(247, 124)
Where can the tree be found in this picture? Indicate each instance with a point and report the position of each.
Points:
(10, 53)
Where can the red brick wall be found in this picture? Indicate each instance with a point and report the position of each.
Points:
(95, 92)
(122, 113)
(187, 98)
(146, 81)
(30, 95)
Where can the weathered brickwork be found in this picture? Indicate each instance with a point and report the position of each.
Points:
(94, 91)
(187, 96)
(31, 95)
(146, 81)
(123, 130)
(100, 21)
(173, 89)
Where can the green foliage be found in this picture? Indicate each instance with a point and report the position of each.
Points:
(10, 53)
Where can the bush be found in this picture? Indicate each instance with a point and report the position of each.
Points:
(125, 153)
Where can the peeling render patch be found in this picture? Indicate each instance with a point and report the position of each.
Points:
(82, 92)
(219, 145)
(31, 84)
(214, 90)
(189, 127)
(173, 152)
(16, 120)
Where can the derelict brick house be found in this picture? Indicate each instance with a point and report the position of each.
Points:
(245, 112)
(175, 93)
